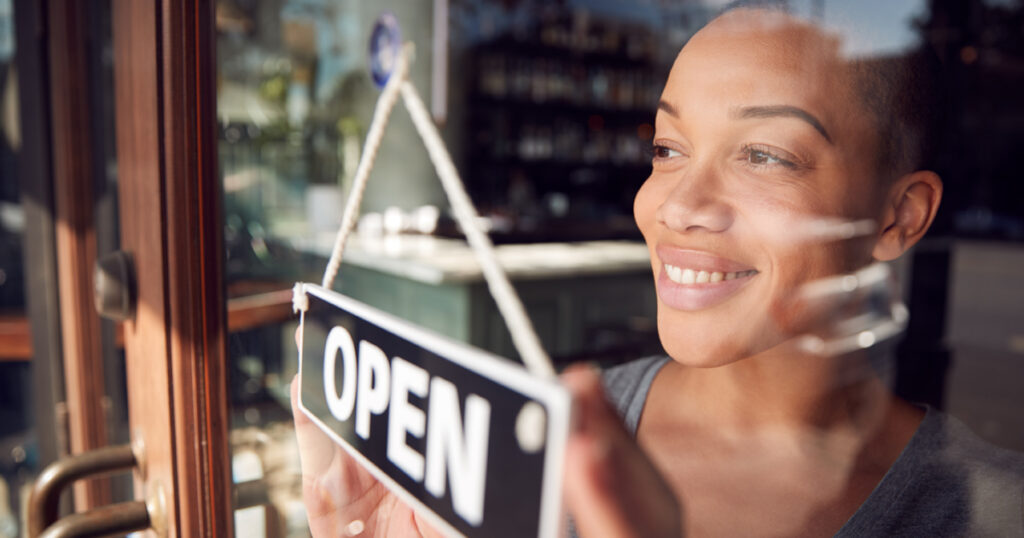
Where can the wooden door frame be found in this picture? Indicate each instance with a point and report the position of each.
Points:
(74, 227)
(171, 222)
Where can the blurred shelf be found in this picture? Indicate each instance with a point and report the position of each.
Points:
(15, 339)
(259, 310)
(553, 165)
(565, 109)
(494, 105)
(618, 57)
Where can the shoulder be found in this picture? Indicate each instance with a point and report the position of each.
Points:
(958, 443)
(626, 387)
(955, 454)
(983, 480)
(951, 482)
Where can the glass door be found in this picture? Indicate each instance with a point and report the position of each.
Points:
(61, 366)
(160, 220)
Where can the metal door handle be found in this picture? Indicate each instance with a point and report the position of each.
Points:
(117, 518)
(114, 286)
(120, 518)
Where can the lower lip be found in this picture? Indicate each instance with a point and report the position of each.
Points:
(693, 297)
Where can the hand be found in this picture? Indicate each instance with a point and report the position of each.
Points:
(611, 487)
(341, 497)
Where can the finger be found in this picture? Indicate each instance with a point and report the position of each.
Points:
(610, 483)
(584, 384)
(316, 450)
(331, 478)
(588, 474)
(423, 527)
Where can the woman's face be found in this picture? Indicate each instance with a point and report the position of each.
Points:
(757, 138)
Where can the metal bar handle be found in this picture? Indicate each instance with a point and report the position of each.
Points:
(120, 518)
(45, 498)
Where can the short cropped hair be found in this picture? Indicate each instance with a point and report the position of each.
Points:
(900, 92)
(902, 95)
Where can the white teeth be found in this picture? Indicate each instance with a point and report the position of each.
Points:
(691, 276)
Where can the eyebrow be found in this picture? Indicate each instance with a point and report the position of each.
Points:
(671, 110)
(778, 111)
(772, 111)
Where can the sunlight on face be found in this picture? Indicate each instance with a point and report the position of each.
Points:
(760, 146)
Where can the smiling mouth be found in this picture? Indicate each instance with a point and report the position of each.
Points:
(687, 276)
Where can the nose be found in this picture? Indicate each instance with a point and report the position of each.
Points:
(696, 203)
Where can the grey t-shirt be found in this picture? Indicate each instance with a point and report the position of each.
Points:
(946, 482)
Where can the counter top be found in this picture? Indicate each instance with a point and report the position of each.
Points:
(435, 260)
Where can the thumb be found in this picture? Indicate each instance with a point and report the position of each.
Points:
(316, 450)
(611, 487)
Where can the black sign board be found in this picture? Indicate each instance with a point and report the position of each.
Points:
(472, 438)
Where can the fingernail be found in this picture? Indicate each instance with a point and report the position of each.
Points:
(355, 528)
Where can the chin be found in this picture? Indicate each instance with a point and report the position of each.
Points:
(705, 345)
(690, 348)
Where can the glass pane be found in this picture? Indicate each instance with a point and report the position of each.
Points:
(778, 177)
(293, 104)
(17, 453)
(21, 436)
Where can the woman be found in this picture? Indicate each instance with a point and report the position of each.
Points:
(763, 133)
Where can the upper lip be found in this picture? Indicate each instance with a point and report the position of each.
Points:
(699, 260)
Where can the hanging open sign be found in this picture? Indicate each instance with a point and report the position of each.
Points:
(472, 438)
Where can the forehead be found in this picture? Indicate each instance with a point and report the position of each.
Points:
(783, 40)
(749, 58)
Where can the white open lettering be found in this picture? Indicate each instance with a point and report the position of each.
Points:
(456, 445)
(404, 417)
(374, 384)
(464, 456)
(340, 406)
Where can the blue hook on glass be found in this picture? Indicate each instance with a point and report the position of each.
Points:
(385, 48)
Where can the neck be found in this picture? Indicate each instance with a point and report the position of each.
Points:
(784, 389)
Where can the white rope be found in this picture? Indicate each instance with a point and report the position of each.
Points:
(381, 114)
(300, 301)
(511, 308)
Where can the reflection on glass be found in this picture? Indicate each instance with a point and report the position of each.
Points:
(552, 130)
(30, 437)
(17, 453)
(293, 102)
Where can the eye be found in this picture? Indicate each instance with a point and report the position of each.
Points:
(664, 152)
(763, 156)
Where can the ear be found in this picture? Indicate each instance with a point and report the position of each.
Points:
(909, 210)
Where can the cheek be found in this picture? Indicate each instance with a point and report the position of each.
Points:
(798, 251)
(806, 226)
(798, 263)
(798, 245)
